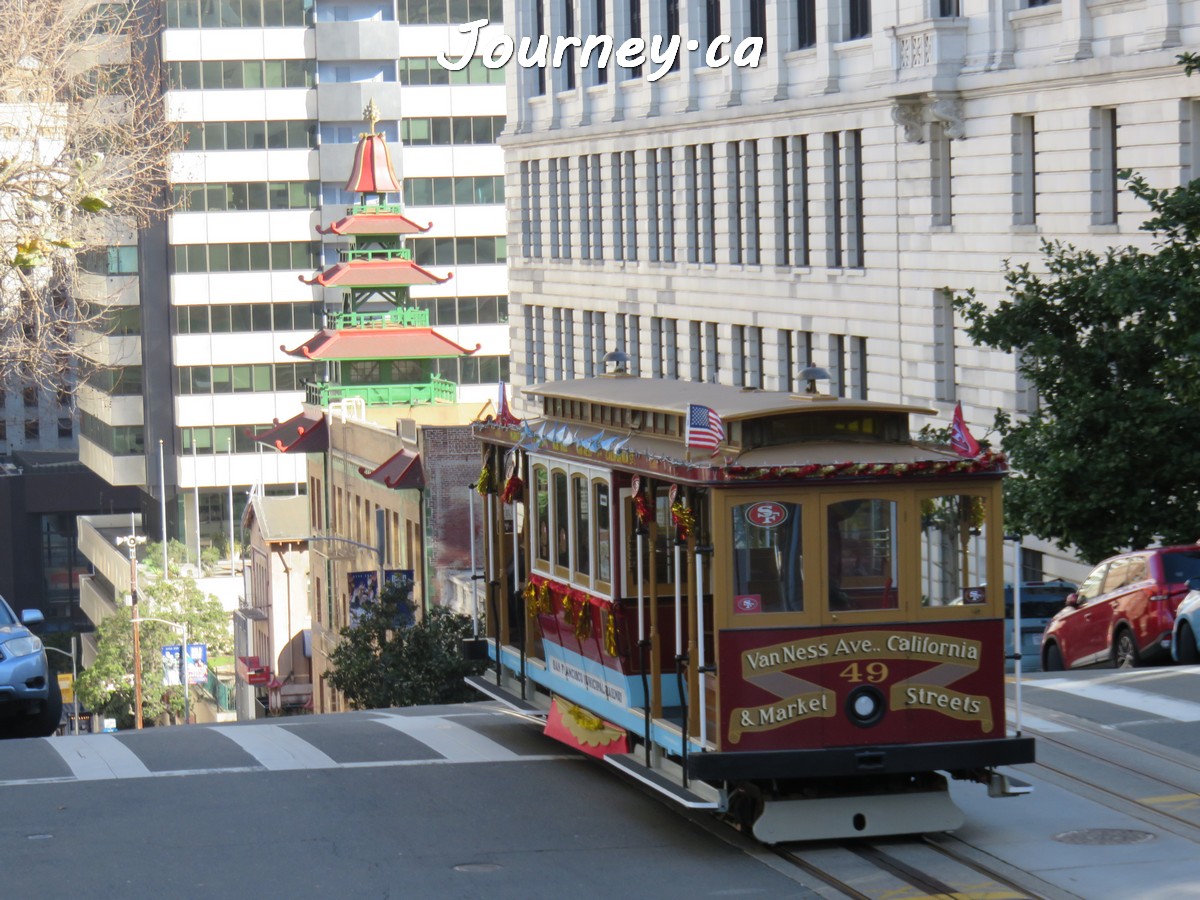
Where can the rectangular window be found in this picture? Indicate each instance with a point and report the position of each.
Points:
(833, 168)
(630, 205)
(754, 357)
(634, 13)
(712, 357)
(555, 250)
(695, 342)
(707, 212)
(539, 28)
(564, 218)
(806, 24)
(854, 200)
(568, 60)
(860, 19)
(737, 344)
(733, 201)
(1104, 146)
(556, 328)
(535, 174)
(945, 377)
(673, 29)
(585, 209)
(712, 20)
(837, 365)
(943, 194)
(601, 28)
(653, 199)
(752, 229)
(527, 214)
(756, 13)
(666, 205)
(858, 367)
(618, 207)
(597, 209)
(589, 350)
(1024, 171)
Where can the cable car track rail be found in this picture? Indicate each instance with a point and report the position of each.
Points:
(1177, 774)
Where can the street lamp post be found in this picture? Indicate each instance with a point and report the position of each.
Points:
(132, 541)
(183, 659)
(74, 678)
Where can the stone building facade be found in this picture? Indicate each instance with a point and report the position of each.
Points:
(734, 224)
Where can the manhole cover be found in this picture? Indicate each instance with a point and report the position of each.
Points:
(1100, 836)
(476, 867)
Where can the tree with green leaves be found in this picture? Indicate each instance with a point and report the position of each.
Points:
(1111, 343)
(384, 659)
(107, 686)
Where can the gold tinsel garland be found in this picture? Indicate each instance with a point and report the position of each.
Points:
(610, 634)
(484, 482)
(684, 518)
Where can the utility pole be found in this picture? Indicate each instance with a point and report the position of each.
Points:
(132, 541)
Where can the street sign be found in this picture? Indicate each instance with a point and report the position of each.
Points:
(67, 687)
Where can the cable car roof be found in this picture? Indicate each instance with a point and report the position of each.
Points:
(669, 396)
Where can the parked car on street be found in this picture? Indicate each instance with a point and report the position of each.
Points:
(30, 700)
(1040, 602)
(1187, 623)
(1123, 612)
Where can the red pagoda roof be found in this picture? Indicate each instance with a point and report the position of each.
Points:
(371, 223)
(378, 343)
(372, 172)
(400, 472)
(374, 273)
(305, 433)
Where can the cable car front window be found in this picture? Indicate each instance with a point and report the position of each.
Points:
(953, 550)
(862, 540)
(768, 563)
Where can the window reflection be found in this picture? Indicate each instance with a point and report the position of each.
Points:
(861, 536)
(768, 561)
(953, 550)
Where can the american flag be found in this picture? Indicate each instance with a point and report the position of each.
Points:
(704, 428)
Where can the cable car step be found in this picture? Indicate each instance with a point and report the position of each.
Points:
(631, 765)
(513, 701)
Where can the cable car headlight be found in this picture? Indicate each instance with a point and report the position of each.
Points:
(865, 706)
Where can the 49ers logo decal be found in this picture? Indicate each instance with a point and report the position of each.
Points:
(767, 514)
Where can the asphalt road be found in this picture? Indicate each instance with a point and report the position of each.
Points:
(471, 802)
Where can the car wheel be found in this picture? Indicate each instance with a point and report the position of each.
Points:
(1189, 654)
(1125, 651)
(46, 722)
(1053, 661)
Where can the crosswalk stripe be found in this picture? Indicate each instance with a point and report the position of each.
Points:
(1142, 701)
(276, 748)
(98, 756)
(455, 742)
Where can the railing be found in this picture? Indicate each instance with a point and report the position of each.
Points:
(220, 692)
(386, 209)
(389, 253)
(934, 47)
(403, 317)
(438, 390)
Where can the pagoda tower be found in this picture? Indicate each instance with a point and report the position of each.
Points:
(387, 355)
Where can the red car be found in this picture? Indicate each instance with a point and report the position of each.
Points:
(1123, 612)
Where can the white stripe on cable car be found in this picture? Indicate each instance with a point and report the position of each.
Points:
(98, 756)
(276, 748)
(455, 742)
(1142, 701)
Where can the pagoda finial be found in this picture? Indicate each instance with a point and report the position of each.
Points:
(371, 114)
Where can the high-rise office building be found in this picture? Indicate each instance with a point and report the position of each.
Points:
(268, 97)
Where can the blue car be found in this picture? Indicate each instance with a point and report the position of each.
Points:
(1187, 624)
(30, 701)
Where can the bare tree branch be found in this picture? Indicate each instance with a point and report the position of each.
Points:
(84, 158)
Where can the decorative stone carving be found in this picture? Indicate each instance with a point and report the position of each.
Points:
(948, 111)
(908, 115)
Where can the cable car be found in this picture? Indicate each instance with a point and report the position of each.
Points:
(780, 607)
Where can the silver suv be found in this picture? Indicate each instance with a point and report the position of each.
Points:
(30, 701)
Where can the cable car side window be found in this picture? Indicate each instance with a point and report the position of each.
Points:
(768, 561)
(953, 550)
(562, 520)
(862, 538)
(583, 541)
(541, 512)
(603, 536)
